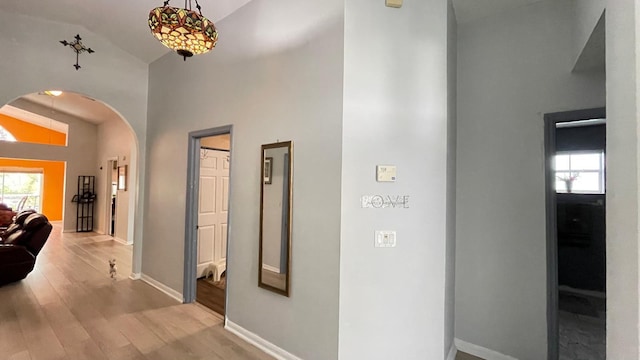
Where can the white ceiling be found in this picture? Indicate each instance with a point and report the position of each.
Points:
(123, 22)
(469, 10)
(43, 110)
(73, 104)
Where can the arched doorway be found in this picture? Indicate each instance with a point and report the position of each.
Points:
(90, 139)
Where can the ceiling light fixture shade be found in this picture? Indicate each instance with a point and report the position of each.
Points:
(185, 31)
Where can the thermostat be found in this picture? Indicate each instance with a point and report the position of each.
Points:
(386, 173)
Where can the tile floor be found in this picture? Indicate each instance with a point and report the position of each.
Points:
(583, 331)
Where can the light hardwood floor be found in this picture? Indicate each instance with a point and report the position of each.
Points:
(69, 308)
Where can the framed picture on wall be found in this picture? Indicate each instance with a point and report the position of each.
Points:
(267, 170)
(122, 177)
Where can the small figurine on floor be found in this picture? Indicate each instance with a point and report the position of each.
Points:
(112, 268)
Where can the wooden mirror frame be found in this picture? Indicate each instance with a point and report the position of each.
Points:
(266, 179)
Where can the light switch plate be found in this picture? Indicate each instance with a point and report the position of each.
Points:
(386, 173)
(385, 239)
(394, 3)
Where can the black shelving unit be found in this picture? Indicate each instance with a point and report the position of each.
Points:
(85, 198)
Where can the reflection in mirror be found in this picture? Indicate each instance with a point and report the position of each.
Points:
(275, 217)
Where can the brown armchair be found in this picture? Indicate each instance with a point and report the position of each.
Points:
(20, 244)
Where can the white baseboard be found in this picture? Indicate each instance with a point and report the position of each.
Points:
(162, 287)
(123, 242)
(271, 268)
(259, 342)
(481, 352)
(135, 276)
(452, 352)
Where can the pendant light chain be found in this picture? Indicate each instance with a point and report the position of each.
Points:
(166, 3)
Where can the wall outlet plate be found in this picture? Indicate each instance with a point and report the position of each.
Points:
(385, 239)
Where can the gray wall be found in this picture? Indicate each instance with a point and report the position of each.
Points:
(622, 20)
(392, 300)
(274, 75)
(512, 68)
(588, 12)
(452, 73)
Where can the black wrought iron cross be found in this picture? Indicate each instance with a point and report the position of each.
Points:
(78, 47)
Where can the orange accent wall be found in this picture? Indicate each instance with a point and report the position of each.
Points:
(30, 133)
(53, 187)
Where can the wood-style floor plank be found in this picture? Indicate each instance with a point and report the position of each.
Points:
(13, 344)
(210, 296)
(69, 308)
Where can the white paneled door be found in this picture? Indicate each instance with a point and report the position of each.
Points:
(213, 208)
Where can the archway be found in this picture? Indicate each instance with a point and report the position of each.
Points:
(94, 138)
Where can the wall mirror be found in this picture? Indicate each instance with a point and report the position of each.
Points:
(274, 271)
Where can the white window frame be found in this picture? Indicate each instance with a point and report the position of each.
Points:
(20, 170)
(601, 171)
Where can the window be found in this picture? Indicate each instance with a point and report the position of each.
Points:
(21, 190)
(5, 135)
(580, 172)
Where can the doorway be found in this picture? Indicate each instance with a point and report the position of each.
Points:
(207, 218)
(111, 196)
(575, 145)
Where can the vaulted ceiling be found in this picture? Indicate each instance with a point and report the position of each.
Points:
(124, 22)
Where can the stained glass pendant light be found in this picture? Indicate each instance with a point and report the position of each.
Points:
(183, 30)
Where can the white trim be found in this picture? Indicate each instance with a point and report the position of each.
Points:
(271, 268)
(481, 352)
(162, 287)
(135, 276)
(117, 239)
(452, 352)
(259, 342)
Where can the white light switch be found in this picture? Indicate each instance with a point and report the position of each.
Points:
(385, 238)
(386, 173)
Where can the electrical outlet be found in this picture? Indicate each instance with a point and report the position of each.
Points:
(385, 239)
